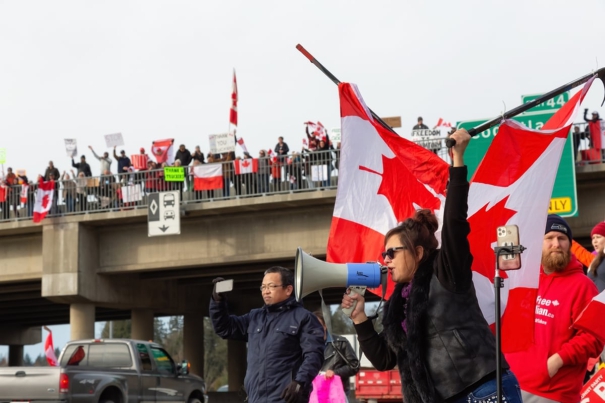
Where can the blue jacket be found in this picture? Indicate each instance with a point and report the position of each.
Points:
(285, 343)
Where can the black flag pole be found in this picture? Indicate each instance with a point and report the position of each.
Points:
(600, 73)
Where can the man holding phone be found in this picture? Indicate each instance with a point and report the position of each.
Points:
(285, 341)
(553, 368)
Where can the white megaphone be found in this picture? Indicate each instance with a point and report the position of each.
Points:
(311, 274)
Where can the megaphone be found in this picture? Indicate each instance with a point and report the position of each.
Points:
(311, 274)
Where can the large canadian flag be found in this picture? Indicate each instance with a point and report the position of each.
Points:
(246, 166)
(44, 199)
(208, 176)
(513, 185)
(591, 318)
(49, 349)
(383, 179)
(162, 150)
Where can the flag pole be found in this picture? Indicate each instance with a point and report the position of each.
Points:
(600, 73)
(336, 81)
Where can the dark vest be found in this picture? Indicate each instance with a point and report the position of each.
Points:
(449, 346)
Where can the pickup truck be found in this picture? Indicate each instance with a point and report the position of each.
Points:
(105, 371)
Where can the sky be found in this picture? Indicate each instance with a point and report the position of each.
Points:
(163, 69)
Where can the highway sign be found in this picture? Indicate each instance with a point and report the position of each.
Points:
(564, 199)
(163, 216)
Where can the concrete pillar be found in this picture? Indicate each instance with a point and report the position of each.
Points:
(193, 341)
(142, 324)
(236, 364)
(82, 321)
(15, 355)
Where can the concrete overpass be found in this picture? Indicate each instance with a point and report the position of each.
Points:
(102, 266)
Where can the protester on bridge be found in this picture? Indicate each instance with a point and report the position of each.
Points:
(13, 192)
(285, 341)
(553, 368)
(81, 190)
(82, 166)
(264, 171)
(108, 190)
(123, 165)
(69, 192)
(281, 150)
(51, 169)
(104, 160)
(198, 155)
(339, 357)
(434, 331)
(420, 125)
(596, 270)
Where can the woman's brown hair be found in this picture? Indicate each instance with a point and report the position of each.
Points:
(418, 230)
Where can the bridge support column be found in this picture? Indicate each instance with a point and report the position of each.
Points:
(142, 324)
(193, 341)
(15, 355)
(236, 364)
(82, 321)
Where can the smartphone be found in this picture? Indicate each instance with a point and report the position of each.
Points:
(508, 235)
(224, 286)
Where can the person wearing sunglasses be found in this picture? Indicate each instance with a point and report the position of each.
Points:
(434, 331)
(285, 341)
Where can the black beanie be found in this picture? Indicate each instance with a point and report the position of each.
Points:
(556, 223)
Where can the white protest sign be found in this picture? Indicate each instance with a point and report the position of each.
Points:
(131, 193)
(427, 138)
(319, 173)
(71, 147)
(114, 140)
(335, 136)
(222, 143)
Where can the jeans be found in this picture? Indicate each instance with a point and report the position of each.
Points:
(486, 393)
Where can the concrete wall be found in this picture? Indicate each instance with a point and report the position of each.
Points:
(20, 257)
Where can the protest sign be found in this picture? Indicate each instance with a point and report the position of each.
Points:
(222, 143)
(2, 155)
(131, 193)
(174, 174)
(427, 138)
(71, 147)
(335, 136)
(319, 172)
(114, 140)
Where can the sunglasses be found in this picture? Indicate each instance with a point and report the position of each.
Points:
(391, 252)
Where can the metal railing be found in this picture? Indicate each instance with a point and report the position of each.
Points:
(297, 172)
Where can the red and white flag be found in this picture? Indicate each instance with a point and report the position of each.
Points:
(24, 189)
(245, 166)
(208, 176)
(442, 123)
(233, 112)
(591, 318)
(513, 185)
(3, 192)
(270, 154)
(162, 150)
(241, 143)
(49, 349)
(317, 130)
(139, 161)
(597, 134)
(44, 199)
(383, 179)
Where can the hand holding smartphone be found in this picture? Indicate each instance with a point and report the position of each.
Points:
(508, 235)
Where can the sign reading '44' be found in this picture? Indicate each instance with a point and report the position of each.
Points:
(564, 195)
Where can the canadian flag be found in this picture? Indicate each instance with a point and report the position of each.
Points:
(245, 166)
(208, 177)
(270, 154)
(139, 161)
(3, 192)
(44, 199)
(24, 189)
(513, 185)
(233, 112)
(49, 349)
(591, 318)
(383, 179)
(442, 123)
(317, 130)
(162, 150)
(241, 143)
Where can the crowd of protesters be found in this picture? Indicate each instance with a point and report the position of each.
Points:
(77, 190)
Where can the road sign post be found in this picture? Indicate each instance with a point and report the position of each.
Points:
(163, 216)
(564, 196)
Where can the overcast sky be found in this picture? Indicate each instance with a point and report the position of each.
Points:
(163, 69)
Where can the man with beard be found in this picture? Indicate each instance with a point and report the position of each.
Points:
(553, 368)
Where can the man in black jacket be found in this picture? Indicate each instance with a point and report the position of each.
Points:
(82, 166)
(339, 357)
(285, 341)
(123, 162)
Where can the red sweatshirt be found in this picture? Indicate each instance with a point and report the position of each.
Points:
(561, 298)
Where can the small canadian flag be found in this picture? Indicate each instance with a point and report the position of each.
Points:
(246, 166)
(24, 189)
(49, 349)
(44, 199)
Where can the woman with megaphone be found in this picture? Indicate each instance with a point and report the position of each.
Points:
(434, 331)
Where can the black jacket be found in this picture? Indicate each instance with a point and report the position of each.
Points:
(285, 343)
(449, 349)
(184, 157)
(82, 167)
(53, 171)
(335, 361)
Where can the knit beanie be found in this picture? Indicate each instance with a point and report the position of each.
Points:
(598, 229)
(556, 223)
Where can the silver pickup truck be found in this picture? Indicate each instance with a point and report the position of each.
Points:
(105, 371)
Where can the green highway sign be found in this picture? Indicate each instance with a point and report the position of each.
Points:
(174, 174)
(551, 105)
(564, 199)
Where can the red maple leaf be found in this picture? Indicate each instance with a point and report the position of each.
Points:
(483, 233)
(158, 151)
(402, 189)
(45, 201)
(245, 163)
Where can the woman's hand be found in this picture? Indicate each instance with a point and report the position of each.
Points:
(462, 138)
(358, 315)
